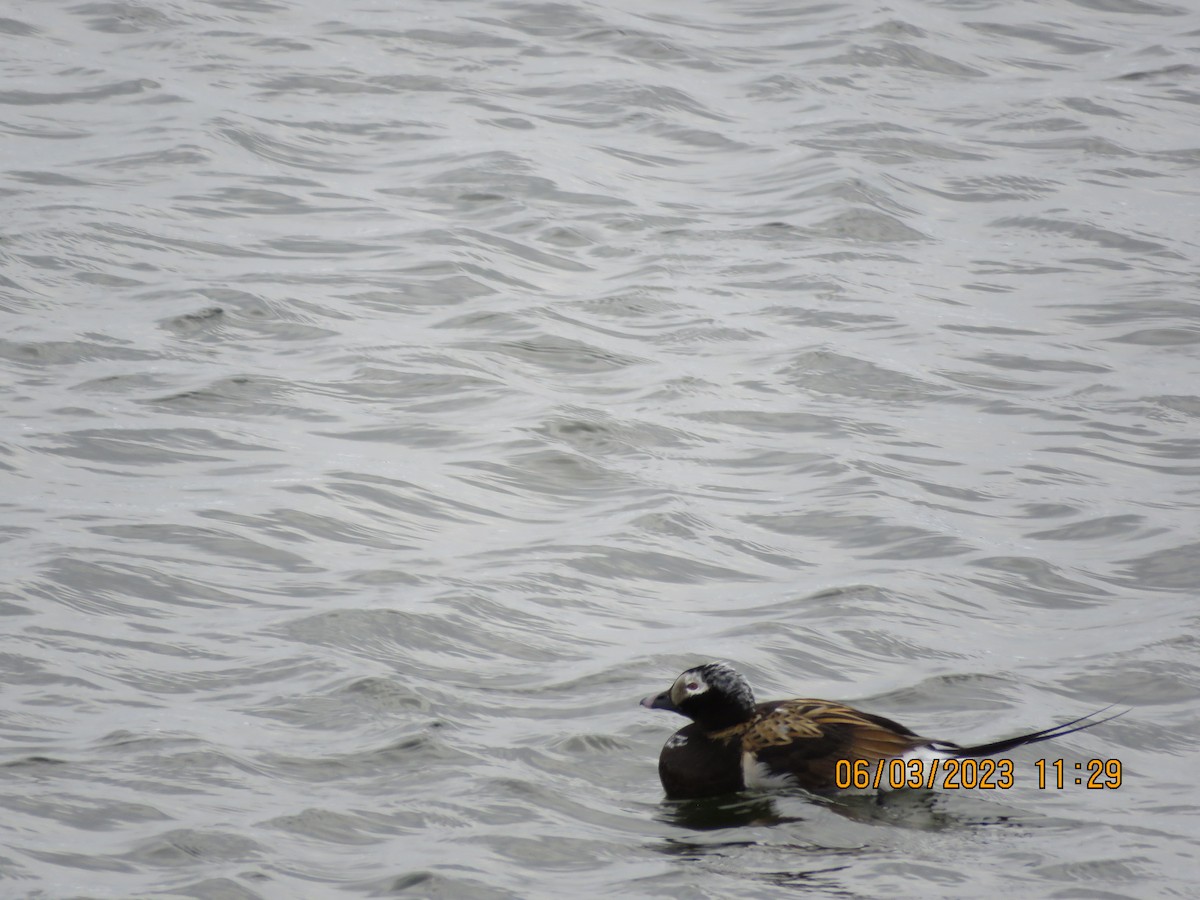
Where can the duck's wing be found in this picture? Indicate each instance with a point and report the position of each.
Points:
(803, 740)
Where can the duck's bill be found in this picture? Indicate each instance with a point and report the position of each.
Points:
(660, 701)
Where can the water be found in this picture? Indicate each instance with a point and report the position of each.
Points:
(394, 396)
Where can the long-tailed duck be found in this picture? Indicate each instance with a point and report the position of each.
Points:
(733, 744)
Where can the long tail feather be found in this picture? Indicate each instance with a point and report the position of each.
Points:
(1034, 737)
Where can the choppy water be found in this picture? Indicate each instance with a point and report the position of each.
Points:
(395, 393)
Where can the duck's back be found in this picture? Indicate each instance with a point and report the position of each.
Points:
(800, 742)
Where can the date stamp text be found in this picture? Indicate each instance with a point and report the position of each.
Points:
(972, 774)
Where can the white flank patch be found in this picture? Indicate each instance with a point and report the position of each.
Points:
(927, 754)
(676, 740)
(758, 777)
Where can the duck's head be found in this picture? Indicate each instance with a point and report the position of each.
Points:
(714, 695)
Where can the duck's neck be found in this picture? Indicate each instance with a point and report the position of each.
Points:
(726, 722)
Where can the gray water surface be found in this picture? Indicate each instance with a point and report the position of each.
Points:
(396, 393)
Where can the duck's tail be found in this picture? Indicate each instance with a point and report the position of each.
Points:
(1033, 737)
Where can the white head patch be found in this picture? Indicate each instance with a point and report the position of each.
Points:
(690, 684)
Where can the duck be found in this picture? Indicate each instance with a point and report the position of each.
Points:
(735, 744)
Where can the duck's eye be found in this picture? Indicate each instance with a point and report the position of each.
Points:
(693, 686)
